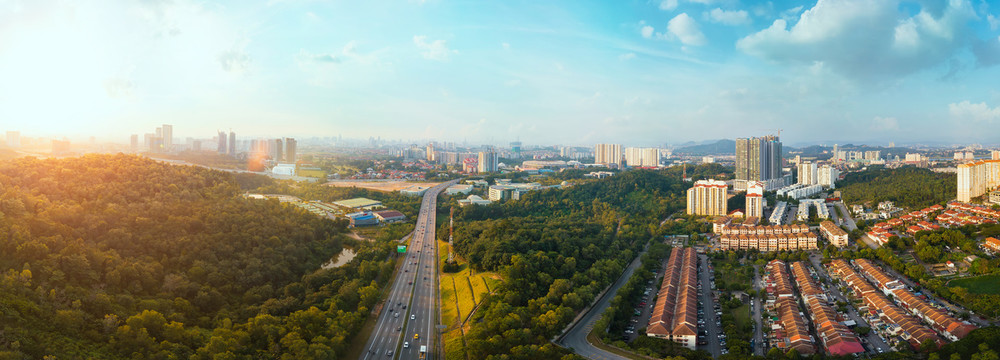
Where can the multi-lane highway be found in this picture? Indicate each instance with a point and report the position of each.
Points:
(409, 317)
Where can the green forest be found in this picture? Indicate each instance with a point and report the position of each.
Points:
(908, 187)
(556, 249)
(115, 256)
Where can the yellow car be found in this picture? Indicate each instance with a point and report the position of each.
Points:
(416, 336)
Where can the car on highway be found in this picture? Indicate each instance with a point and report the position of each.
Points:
(388, 353)
(416, 336)
(413, 316)
(406, 344)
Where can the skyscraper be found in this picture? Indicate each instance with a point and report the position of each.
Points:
(134, 142)
(807, 173)
(707, 197)
(168, 137)
(430, 152)
(222, 142)
(277, 149)
(609, 155)
(758, 158)
(488, 160)
(232, 143)
(515, 149)
(290, 147)
(14, 139)
(755, 199)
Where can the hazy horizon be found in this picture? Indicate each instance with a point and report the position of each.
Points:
(638, 73)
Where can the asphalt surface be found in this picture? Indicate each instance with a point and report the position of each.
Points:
(415, 287)
(576, 338)
(713, 331)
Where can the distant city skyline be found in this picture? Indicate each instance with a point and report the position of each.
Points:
(639, 73)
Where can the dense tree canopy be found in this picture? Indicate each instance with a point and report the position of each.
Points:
(908, 187)
(118, 256)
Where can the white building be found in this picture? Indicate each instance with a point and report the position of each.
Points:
(755, 199)
(807, 173)
(799, 191)
(642, 157)
(609, 155)
(822, 211)
(473, 200)
(778, 215)
(284, 169)
(458, 189)
(707, 197)
(414, 190)
(828, 176)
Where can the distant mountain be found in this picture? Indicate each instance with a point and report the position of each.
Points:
(724, 146)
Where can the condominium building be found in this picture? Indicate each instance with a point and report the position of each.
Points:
(778, 215)
(609, 155)
(488, 161)
(977, 178)
(767, 238)
(642, 157)
(755, 200)
(808, 173)
(758, 158)
(833, 233)
(827, 176)
(675, 315)
(707, 197)
(798, 191)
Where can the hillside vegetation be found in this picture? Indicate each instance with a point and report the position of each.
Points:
(908, 187)
(117, 256)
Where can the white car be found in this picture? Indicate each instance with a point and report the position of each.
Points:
(406, 344)
(412, 317)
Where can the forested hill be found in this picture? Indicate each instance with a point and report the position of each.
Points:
(909, 187)
(115, 256)
(556, 249)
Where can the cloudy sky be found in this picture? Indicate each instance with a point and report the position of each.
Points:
(547, 72)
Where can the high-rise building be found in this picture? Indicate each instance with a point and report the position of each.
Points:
(168, 137)
(642, 157)
(568, 152)
(873, 155)
(995, 154)
(755, 199)
(134, 143)
(222, 142)
(232, 143)
(277, 149)
(977, 178)
(758, 159)
(290, 149)
(707, 197)
(515, 149)
(827, 176)
(430, 152)
(609, 155)
(835, 158)
(488, 161)
(807, 173)
(14, 139)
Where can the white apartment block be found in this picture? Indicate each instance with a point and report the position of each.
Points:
(707, 197)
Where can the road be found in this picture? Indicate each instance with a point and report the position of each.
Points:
(576, 338)
(415, 287)
(873, 342)
(708, 305)
(848, 219)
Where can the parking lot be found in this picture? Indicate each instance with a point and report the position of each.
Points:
(710, 335)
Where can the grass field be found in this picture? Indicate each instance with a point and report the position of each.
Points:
(460, 292)
(741, 316)
(986, 284)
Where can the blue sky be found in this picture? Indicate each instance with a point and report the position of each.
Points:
(547, 72)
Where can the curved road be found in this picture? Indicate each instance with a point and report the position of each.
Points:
(576, 337)
(415, 288)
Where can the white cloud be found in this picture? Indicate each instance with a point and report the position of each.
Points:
(505, 46)
(734, 17)
(866, 39)
(980, 112)
(435, 50)
(685, 28)
(628, 56)
(668, 5)
(994, 22)
(885, 124)
(647, 31)
(235, 60)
